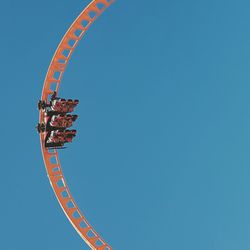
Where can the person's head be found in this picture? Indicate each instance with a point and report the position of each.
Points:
(69, 139)
(74, 117)
(73, 131)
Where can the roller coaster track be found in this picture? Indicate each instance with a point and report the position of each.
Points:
(50, 156)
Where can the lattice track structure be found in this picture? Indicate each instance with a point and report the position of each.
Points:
(51, 159)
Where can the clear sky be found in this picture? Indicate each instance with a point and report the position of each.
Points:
(162, 159)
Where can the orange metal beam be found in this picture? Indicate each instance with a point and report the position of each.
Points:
(51, 159)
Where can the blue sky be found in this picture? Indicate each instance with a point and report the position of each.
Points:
(161, 160)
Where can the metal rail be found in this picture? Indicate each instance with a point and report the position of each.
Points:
(51, 159)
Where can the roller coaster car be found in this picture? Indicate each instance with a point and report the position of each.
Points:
(63, 106)
(62, 121)
(58, 105)
(59, 138)
(56, 122)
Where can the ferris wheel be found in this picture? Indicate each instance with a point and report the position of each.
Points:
(55, 119)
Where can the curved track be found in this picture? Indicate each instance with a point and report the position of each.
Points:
(52, 82)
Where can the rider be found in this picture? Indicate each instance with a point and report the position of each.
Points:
(58, 105)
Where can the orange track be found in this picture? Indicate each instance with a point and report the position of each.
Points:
(51, 159)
